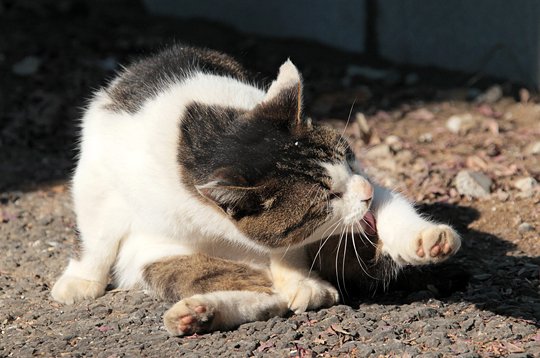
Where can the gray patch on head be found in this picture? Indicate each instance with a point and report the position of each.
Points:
(146, 78)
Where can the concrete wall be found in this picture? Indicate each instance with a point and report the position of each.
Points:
(340, 25)
(499, 37)
(496, 37)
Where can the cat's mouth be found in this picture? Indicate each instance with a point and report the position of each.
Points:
(369, 224)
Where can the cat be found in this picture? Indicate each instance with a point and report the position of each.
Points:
(219, 196)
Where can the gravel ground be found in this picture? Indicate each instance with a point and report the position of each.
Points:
(483, 302)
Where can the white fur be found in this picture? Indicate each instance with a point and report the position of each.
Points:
(127, 189)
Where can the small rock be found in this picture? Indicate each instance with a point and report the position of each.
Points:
(395, 143)
(493, 150)
(473, 184)
(467, 324)
(502, 195)
(525, 184)
(27, 66)
(533, 148)
(425, 138)
(491, 95)
(378, 151)
(524, 95)
(461, 124)
(525, 227)
(421, 114)
(364, 128)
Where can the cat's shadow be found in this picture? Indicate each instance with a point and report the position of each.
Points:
(481, 273)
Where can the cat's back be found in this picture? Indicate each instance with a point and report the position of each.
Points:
(148, 77)
(131, 129)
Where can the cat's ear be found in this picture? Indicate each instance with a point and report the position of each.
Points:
(288, 77)
(226, 190)
(283, 100)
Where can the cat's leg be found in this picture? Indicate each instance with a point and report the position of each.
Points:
(301, 287)
(102, 220)
(406, 236)
(213, 293)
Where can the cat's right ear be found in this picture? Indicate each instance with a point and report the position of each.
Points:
(283, 100)
(288, 77)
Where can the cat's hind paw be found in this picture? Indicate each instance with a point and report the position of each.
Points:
(188, 316)
(71, 289)
(435, 244)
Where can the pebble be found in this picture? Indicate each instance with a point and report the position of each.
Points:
(395, 143)
(525, 227)
(502, 195)
(491, 95)
(461, 124)
(378, 151)
(473, 184)
(533, 148)
(27, 66)
(467, 324)
(421, 114)
(525, 184)
(425, 138)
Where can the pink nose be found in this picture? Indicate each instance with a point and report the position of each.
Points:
(362, 188)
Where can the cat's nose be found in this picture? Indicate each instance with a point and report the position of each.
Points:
(362, 187)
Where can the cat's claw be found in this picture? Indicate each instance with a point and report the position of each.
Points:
(435, 244)
(188, 316)
(309, 294)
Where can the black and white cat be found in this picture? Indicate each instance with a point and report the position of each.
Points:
(211, 192)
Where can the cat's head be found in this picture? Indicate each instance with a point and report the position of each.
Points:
(282, 180)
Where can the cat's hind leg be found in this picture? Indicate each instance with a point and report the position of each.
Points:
(103, 220)
(408, 237)
(213, 293)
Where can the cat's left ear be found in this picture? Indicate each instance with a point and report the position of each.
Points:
(283, 100)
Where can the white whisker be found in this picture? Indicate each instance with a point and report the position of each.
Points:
(342, 137)
(359, 259)
(343, 263)
(323, 242)
(336, 262)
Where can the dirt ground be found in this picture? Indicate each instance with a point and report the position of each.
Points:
(483, 302)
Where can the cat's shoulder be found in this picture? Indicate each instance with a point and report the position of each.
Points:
(149, 76)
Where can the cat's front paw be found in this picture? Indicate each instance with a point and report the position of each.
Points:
(189, 316)
(70, 289)
(433, 244)
(309, 294)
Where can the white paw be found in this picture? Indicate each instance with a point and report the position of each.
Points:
(309, 294)
(70, 289)
(431, 245)
(189, 316)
